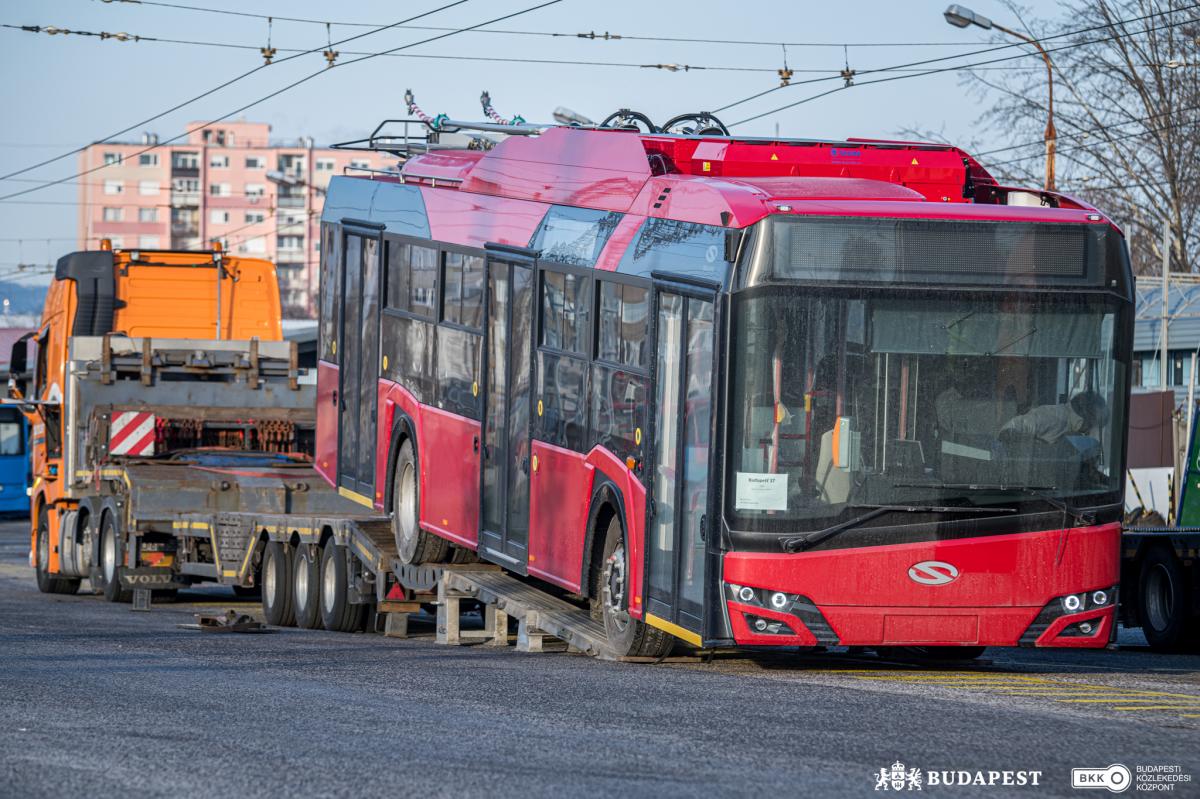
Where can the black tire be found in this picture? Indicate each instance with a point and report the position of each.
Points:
(413, 545)
(338, 614)
(112, 556)
(1163, 603)
(277, 585)
(306, 586)
(627, 637)
(48, 583)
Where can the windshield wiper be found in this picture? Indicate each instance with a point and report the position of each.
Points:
(1081, 517)
(803, 542)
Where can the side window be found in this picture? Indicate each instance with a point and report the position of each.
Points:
(462, 290)
(619, 376)
(562, 373)
(412, 279)
(622, 330)
(329, 289)
(566, 301)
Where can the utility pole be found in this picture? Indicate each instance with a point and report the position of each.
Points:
(1166, 290)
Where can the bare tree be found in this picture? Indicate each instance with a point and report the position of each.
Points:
(1127, 110)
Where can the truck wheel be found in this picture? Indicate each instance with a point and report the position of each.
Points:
(277, 585)
(338, 614)
(306, 586)
(1164, 606)
(413, 545)
(48, 583)
(112, 551)
(627, 637)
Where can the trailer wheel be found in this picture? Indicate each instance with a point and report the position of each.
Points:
(306, 586)
(112, 551)
(1164, 607)
(626, 635)
(413, 545)
(277, 585)
(48, 583)
(338, 614)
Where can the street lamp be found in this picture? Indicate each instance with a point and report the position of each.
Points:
(962, 17)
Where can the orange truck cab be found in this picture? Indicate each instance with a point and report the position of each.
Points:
(135, 293)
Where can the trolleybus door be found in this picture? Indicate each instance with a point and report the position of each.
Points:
(684, 391)
(358, 376)
(504, 459)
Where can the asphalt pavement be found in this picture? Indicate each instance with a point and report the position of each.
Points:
(99, 700)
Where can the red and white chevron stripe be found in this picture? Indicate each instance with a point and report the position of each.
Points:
(132, 433)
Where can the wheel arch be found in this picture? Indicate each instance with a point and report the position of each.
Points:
(606, 502)
(403, 429)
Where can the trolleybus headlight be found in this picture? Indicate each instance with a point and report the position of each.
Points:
(1100, 598)
(1072, 603)
(779, 600)
(746, 593)
(760, 624)
(1085, 627)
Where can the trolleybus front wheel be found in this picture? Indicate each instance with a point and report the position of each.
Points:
(413, 545)
(627, 637)
(48, 583)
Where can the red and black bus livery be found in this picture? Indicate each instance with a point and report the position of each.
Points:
(737, 391)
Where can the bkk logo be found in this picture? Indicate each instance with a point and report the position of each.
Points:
(898, 778)
(1115, 778)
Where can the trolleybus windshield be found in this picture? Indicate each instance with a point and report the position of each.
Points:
(859, 395)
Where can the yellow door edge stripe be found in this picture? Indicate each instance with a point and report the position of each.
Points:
(673, 629)
(356, 497)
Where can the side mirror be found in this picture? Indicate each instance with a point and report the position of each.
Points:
(18, 368)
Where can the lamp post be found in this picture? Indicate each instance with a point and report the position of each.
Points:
(962, 17)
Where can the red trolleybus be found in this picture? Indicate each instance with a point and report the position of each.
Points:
(736, 391)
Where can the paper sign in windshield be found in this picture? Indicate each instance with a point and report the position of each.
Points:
(760, 491)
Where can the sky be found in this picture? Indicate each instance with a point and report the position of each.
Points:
(65, 91)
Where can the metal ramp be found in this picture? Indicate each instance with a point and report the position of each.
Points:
(539, 615)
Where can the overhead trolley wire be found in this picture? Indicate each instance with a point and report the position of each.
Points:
(290, 86)
(954, 68)
(589, 35)
(984, 51)
(226, 84)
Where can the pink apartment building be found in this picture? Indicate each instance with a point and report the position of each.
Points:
(228, 183)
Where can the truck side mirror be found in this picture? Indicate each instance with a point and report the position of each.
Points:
(18, 368)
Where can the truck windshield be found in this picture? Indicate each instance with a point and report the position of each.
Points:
(845, 396)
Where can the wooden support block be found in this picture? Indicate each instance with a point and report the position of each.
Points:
(395, 625)
(399, 606)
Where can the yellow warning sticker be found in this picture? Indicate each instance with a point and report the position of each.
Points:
(706, 166)
(475, 389)
(774, 157)
(385, 362)
(540, 408)
(914, 163)
(637, 436)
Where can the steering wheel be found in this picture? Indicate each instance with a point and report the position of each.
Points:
(626, 119)
(705, 125)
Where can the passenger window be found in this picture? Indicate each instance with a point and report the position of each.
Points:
(621, 335)
(618, 407)
(462, 290)
(412, 279)
(565, 303)
(329, 290)
(574, 236)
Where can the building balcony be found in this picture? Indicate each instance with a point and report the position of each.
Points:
(290, 202)
(185, 229)
(185, 172)
(183, 199)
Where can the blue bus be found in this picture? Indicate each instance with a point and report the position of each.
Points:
(14, 461)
